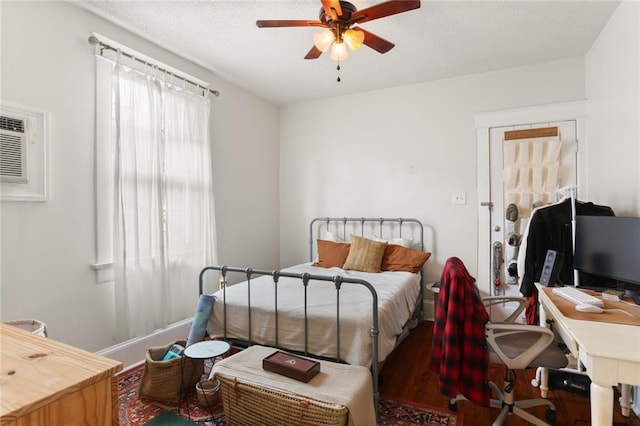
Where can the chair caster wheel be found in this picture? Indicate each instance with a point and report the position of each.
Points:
(550, 415)
(453, 406)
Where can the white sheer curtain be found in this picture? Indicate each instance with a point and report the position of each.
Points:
(164, 225)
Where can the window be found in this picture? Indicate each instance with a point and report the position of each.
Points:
(155, 212)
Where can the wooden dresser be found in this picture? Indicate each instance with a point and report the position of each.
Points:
(44, 382)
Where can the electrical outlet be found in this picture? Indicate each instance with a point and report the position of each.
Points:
(459, 198)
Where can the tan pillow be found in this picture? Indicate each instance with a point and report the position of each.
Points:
(365, 255)
(398, 258)
(331, 254)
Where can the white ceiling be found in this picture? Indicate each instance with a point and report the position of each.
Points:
(441, 39)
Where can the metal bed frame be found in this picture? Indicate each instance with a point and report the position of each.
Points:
(359, 224)
(336, 279)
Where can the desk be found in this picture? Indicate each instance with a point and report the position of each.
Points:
(610, 352)
(45, 382)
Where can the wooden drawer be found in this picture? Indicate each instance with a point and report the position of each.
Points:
(560, 329)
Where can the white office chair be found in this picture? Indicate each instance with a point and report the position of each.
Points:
(518, 347)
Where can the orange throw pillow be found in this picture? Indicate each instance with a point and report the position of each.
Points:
(398, 258)
(331, 254)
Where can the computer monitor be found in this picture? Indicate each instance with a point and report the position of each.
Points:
(608, 249)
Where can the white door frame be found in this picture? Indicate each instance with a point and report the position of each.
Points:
(575, 110)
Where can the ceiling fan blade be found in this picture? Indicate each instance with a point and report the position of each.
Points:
(375, 42)
(332, 8)
(314, 53)
(381, 10)
(273, 23)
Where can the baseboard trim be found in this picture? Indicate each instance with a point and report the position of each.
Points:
(132, 352)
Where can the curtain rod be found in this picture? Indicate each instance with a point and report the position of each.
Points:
(94, 40)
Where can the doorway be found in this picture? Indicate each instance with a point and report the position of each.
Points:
(524, 157)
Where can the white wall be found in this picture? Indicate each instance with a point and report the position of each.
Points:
(403, 152)
(613, 90)
(47, 247)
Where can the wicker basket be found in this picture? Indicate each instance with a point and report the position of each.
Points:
(208, 392)
(246, 404)
(168, 381)
(31, 325)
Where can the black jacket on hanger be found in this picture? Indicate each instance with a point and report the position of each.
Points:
(550, 229)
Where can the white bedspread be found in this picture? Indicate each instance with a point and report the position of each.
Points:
(397, 295)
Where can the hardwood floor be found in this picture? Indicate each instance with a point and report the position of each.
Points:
(406, 375)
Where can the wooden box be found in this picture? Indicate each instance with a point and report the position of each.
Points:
(45, 382)
(293, 366)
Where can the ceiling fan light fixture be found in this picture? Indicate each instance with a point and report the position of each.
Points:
(353, 38)
(323, 39)
(339, 52)
(337, 17)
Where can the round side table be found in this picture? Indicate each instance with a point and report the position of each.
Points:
(208, 349)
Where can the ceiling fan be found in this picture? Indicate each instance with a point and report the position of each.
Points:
(339, 19)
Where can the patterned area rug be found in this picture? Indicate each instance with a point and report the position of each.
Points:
(135, 411)
(402, 413)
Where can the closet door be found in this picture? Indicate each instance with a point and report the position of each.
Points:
(528, 164)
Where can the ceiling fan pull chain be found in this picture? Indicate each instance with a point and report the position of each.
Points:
(338, 69)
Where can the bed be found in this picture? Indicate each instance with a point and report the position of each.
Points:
(355, 313)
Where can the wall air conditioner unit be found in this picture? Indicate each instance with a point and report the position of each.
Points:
(24, 167)
(13, 150)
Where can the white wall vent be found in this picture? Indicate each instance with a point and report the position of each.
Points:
(23, 154)
(13, 150)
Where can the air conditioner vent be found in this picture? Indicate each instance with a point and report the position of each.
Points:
(12, 150)
(12, 124)
(23, 153)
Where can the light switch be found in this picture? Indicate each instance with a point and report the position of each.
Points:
(459, 198)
